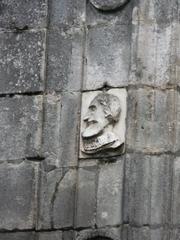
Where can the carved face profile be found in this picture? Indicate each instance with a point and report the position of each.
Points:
(103, 113)
(107, 5)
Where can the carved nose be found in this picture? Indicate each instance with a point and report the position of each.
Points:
(89, 117)
(86, 118)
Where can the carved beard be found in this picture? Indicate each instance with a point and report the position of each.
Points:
(92, 130)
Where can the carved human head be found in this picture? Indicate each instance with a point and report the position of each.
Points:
(104, 110)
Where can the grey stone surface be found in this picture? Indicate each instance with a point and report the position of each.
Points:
(160, 12)
(176, 192)
(151, 116)
(66, 13)
(108, 56)
(110, 233)
(110, 194)
(61, 129)
(147, 194)
(86, 196)
(129, 197)
(22, 14)
(108, 5)
(17, 236)
(95, 17)
(122, 17)
(20, 127)
(22, 61)
(56, 235)
(153, 54)
(176, 109)
(147, 233)
(65, 60)
(57, 199)
(18, 198)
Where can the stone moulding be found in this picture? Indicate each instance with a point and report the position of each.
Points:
(103, 117)
(110, 234)
(108, 5)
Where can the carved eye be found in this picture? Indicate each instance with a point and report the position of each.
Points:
(92, 108)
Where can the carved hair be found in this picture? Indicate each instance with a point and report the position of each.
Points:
(111, 106)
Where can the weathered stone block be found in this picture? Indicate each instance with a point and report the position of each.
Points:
(110, 193)
(107, 233)
(121, 16)
(160, 12)
(65, 60)
(103, 123)
(86, 196)
(148, 234)
(108, 56)
(69, 235)
(147, 194)
(176, 108)
(20, 127)
(175, 234)
(57, 199)
(22, 61)
(66, 13)
(153, 51)
(17, 198)
(23, 14)
(61, 129)
(56, 235)
(17, 236)
(176, 192)
(150, 120)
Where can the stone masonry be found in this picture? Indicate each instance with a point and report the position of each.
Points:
(52, 52)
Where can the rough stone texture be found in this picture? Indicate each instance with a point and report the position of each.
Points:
(108, 55)
(95, 17)
(66, 13)
(22, 61)
(18, 236)
(57, 198)
(157, 67)
(86, 196)
(147, 233)
(61, 132)
(112, 233)
(20, 127)
(176, 192)
(147, 194)
(56, 235)
(65, 59)
(154, 11)
(23, 14)
(110, 194)
(135, 196)
(18, 195)
(151, 120)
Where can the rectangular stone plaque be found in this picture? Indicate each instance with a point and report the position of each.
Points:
(103, 127)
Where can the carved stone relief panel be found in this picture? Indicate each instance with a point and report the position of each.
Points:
(107, 5)
(103, 127)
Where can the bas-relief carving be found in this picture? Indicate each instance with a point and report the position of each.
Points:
(107, 5)
(103, 121)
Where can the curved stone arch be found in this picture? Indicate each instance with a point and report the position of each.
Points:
(108, 5)
(106, 234)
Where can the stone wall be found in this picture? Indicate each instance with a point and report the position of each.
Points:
(50, 53)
